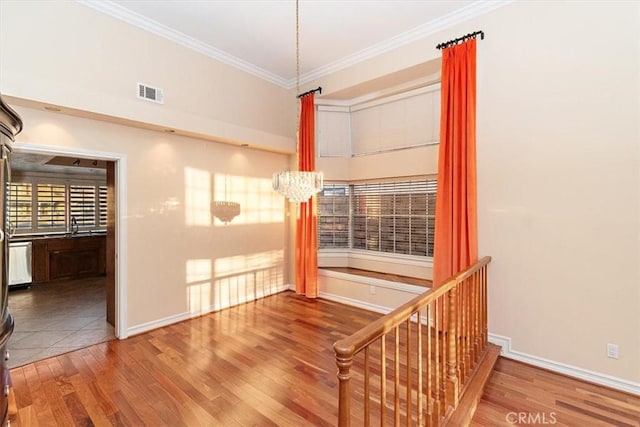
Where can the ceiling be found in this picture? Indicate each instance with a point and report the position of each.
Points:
(61, 165)
(259, 36)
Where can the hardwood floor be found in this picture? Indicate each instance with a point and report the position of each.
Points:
(520, 394)
(266, 363)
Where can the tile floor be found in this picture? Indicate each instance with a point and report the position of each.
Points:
(57, 317)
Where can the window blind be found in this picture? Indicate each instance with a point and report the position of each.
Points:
(19, 202)
(333, 218)
(82, 204)
(51, 206)
(103, 205)
(393, 217)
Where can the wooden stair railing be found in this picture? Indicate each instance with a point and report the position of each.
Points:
(413, 365)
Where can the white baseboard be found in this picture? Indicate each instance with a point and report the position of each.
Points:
(145, 327)
(572, 371)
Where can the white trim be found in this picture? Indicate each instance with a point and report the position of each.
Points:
(402, 259)
(396, 286)
(121, 255)
(473, 10)
(570, 370)
(119, 12)
(160, 323)
(121, 217)
(333, 108)
(396, 97)
(355, 303)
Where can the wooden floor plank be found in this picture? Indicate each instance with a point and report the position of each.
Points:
(519, 390)
(266, 363)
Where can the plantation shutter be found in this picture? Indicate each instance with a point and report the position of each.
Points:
(19, 206)
(82, 204)
(51, 206)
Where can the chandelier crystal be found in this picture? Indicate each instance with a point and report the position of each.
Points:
(298, 186)
(225, 211)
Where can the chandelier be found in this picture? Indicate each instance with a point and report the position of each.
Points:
(298, 186)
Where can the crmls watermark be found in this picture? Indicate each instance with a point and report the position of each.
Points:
(531, 418)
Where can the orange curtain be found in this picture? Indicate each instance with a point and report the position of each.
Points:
(306, 225)
(456, 235)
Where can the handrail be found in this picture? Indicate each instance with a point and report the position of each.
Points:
(360, 339)
(456, 333)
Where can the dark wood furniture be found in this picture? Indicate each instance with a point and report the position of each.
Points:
(10, 126)
(68, 257)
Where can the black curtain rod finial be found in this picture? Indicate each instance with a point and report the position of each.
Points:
(309, 92)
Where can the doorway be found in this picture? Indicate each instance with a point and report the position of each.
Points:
(69, 312)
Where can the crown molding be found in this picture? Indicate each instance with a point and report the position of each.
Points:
(116, 11)
(473, 10)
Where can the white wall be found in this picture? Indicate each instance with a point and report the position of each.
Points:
(558, 156)
(181, 261)
(66, 54)
(559, 175)
(559, 179)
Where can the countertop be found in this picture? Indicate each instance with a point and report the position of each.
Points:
(31, 237)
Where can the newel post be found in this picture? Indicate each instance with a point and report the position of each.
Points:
(453, 385)
(344, 360)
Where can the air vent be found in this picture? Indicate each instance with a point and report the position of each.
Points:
(150, 93)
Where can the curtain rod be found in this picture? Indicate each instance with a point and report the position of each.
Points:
(309, 92)
(463, 38)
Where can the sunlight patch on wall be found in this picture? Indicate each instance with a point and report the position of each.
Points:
(198, 285)
(244, 278)
(197, 200)
(259, 204)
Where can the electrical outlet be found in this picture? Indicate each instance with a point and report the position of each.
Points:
(372, 289)
(612, 351)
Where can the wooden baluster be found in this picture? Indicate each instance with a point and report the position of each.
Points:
(452, 388)
(367, 388)
(439, 365)
(419, 392)
(409, 353)
(383, 381)
(431, 361)
(462, 332)
(344, 362)
(475, 314)
(396, 377)
(468, 360)
(485, 318)
(478, 316)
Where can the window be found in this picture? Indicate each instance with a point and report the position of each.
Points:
(42, 206)
(103, 206)
(390, 217)
(19, 206)
(333, 216)
(51, 202)
(82, 204)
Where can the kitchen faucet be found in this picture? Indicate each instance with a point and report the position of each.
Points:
(74, 225)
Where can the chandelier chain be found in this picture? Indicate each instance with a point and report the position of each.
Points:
(298, 186)
(298, 101)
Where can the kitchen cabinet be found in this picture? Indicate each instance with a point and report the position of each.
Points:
(68, 257)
